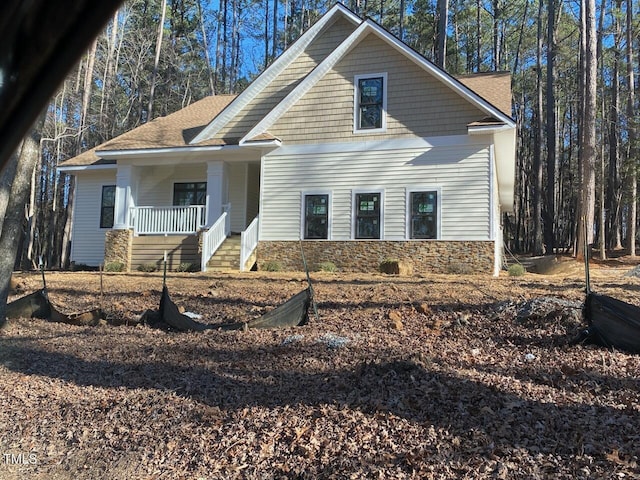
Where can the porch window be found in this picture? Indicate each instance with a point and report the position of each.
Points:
(368, 218)
(423, 222)
(316, 219)
(370, 103)
(107, 206)
(192, 193)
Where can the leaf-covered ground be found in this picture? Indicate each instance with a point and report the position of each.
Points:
(430, 377)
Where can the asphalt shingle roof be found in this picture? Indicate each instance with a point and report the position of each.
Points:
(174, 130)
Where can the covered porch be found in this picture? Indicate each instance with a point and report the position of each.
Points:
(195, 206)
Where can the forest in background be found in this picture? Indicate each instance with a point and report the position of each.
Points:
(573, 67)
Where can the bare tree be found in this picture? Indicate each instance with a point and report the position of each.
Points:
(441, 50)
(550, 210)
(632, 188)
(12, 226)
(588, 135)
(156, 61)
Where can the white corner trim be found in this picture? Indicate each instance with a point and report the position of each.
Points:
(273, 71)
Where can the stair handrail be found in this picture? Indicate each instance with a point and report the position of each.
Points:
(215, 236)
(248, 242)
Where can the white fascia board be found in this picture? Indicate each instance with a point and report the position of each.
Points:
(303, 87)
(84, 168)
(262, 144)
(451, 141)
(273, 71)
(488, 129)
(169, 152)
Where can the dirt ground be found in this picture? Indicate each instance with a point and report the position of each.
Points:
(400, 377)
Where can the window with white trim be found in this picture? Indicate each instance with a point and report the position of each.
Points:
(316, 216)
(423, 214)
(370, 103)
(189, 193)
(368, 215)
(107, 206)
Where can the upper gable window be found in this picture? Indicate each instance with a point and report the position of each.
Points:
(370, 103)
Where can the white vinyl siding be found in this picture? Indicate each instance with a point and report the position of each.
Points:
(461, 172)
(155, 184)
(237, 195)
(87, 246)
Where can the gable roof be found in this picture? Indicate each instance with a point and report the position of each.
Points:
(174, 130)
(369, 27)
(275, 69)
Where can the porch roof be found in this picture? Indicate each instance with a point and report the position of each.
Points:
(173, 131)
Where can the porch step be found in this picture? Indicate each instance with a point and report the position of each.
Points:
(150, 249)
(227, 257)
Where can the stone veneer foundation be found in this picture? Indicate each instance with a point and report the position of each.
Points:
(363, 256)
(117, 247)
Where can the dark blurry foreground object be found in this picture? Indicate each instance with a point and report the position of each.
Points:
(37, 305)
(40, 41)
(612, 322)
(292, 313)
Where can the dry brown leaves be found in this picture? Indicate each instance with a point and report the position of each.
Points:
(434, 377)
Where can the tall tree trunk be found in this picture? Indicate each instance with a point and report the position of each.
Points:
(588, 137)
(14, 216)
(602, 241)
(443, 15)
(497, 39)
(613, 201)
(478, 32)
(266, 35)
(274, 45)
(156, 61)
(205, 47)
(86, 95)
(550, 210)
(107, 79)
(631, 178)
(538, 248)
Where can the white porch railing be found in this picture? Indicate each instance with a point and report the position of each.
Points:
(166, 220)
(213, 238)
(248, 242)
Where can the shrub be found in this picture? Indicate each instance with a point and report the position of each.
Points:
(114, 267)
(516, 270)
(326, 267)
(186, 267)
(459, 268)
(147, 267)
(271, 266)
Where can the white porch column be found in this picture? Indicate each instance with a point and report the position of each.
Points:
(215, 190)
(124, 180)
